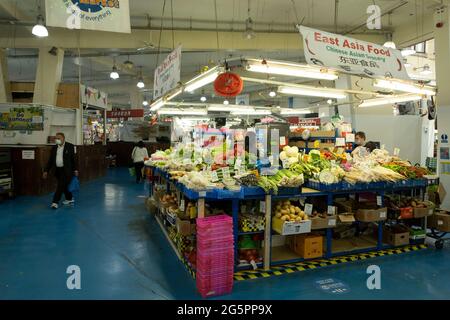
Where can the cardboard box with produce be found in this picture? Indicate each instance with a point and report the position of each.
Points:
(289, 219)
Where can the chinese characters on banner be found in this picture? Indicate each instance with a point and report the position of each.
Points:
(351, 55)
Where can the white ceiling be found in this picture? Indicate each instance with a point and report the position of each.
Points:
(279, 15)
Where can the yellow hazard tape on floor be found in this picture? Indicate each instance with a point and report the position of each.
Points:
(319, 263)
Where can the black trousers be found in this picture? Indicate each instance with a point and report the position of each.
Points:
(138, 168)
(63, 182)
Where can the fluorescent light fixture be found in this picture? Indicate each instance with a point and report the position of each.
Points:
(145, 103)
(408, 52)
(140, 83)
(226, 102)
(252, 112)
(405, 87)
(272, 94)
(290, 69)
(329, 101)
(391, 100)
(313, 92)
(228, 108)
(191, 112)
(114, 74)
(202, 80)
(203, 99)
(39, 29)
(289, 111)
(173, 95)
(158, 104)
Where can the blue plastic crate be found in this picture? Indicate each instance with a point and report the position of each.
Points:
(420, 182)
(251, 192)
(323, 187)
(226, 194)
(287, 191)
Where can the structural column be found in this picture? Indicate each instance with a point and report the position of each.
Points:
(5, 87)
(442, 42)
(48, 76)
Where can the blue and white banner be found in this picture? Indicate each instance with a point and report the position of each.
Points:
(98, 15)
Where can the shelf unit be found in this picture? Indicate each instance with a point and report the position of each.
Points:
(280, 256)
(297, 137)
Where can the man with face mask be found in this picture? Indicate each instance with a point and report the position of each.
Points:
(62, 159)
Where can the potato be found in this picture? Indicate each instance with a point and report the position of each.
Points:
(298, 219)
(293, 216)
(292, 210)
(278, 215)
(297, 210)
(284, 218)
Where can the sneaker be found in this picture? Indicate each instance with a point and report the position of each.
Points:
(68, 202)
(54, 206)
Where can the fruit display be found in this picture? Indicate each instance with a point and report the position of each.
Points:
(169, 200)
(285, 211)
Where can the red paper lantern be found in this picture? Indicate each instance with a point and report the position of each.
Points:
(228, 84)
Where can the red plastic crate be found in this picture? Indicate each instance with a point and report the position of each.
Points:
(206, 282)
(207, 292)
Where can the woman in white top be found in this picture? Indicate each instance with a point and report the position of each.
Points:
(138, 155)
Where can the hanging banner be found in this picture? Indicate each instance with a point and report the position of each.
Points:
(167, 75)
(99, 15)
(93, 97)
(351, 55)
(26, 118)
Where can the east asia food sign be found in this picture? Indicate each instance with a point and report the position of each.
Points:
(351, 55)
(100, 15)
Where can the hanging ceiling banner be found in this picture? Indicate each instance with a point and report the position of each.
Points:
(99, 15)
(351, 55)
(167, 75)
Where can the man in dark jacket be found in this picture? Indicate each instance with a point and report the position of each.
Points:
(62, 159)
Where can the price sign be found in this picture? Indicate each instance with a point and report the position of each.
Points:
(226, 173)
(214, 176)
(262, 206)
(238, 163)
(202, 194)
(332, 222)
(340, 142)
(282, 141)
(383, 147)
(333, 162)
(286, 164)
(271, 160)
(383, 214)
(350, 137)
(379, 201)
(331, 210)
(396, 152)
(308, 209)
(182, 205)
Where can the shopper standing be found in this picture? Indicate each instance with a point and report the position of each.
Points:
(62, 159)
(139, 155)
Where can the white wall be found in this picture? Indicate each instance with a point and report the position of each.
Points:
(403, 132)
(55, 120)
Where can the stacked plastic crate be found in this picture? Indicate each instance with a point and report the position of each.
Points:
(215, 255)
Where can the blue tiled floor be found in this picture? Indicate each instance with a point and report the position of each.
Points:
(123, 255)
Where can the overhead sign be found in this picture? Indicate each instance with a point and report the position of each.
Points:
(243, 99)
(351, 55)
(93, 97)
(99, 15)
(132, 113)
(167, 75)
